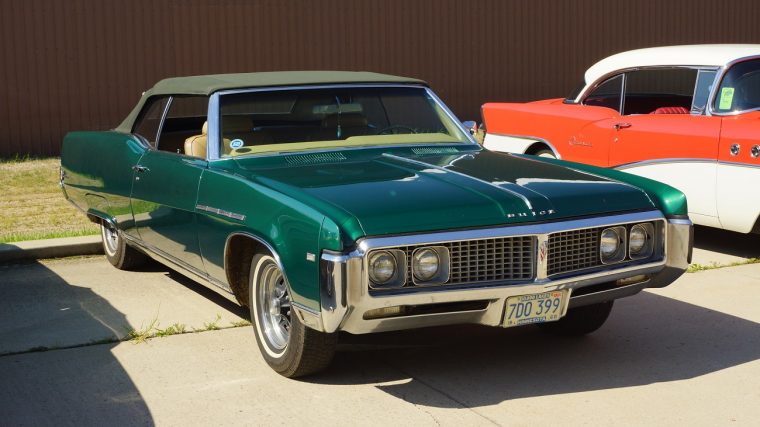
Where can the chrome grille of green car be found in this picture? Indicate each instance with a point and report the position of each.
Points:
(503, 259)
(573, 250)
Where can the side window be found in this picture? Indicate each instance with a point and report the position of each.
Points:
(149, 121)
(740, 88)
(607, 94)
(705, 79)
(183, 128)
(659, 91)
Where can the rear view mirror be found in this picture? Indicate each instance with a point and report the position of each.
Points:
(471, 126)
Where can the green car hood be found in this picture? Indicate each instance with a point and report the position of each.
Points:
(406, 190)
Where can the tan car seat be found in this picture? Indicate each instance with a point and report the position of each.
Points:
(196, 145)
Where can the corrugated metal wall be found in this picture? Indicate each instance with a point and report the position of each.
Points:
(82, 64)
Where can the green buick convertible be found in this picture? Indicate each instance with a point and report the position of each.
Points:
(357, 202)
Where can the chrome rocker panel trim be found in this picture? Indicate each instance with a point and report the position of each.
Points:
(345, 295)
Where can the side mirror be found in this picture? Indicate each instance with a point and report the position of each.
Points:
(471, 126)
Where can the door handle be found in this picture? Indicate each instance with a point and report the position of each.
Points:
(138, 168)
(619, 126)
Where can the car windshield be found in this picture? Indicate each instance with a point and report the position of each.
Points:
(304, 119)
(740, 88)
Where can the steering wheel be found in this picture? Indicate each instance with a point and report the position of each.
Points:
(390, 130)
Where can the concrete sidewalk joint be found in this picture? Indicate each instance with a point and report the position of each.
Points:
(50, 248)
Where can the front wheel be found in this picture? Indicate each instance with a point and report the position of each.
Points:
(545, 153)
(118, 252)
(288, 346)
(580, 320)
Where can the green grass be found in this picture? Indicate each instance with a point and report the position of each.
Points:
(152, 329)
(33, 205)
(695, 268)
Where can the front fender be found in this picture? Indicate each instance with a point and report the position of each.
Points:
(670, 201)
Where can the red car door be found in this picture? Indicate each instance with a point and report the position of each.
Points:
(663, 135)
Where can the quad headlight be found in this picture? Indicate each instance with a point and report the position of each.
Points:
(612, 245)
(430, 265)
(641, 241)
(425, 264)
(383, 268)
(390, 268)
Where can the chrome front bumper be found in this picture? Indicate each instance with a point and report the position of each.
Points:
(345, 296)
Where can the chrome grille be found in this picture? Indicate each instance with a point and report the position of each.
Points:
(573, 250)
(504, 259)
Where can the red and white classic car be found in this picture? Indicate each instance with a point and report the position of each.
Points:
(688, 116)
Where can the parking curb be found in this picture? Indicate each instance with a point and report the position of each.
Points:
(50, 248)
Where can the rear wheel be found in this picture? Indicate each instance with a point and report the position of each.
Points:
(288, 347)
(580, 320)
(118, 252)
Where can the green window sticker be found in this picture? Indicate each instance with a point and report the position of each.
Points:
(726, 97)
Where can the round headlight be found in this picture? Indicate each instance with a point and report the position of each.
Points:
(382, 267)
(425, 264)
(638, 239)
(609, 243)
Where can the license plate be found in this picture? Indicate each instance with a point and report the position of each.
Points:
(535, 308)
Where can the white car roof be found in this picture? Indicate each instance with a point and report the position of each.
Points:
(710, 55)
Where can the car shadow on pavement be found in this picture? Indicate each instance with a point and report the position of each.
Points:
(727, 242)
(648, 339)
(56, 364)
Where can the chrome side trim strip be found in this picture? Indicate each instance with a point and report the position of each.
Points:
(663, 160)
(737, 164)
(625, 166)
(533, 138)
(233, 215)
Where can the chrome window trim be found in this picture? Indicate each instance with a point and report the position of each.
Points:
(140, 116)
(163, 119)
(704, 111)
(590, 87)
(214, 132)
(716, 84)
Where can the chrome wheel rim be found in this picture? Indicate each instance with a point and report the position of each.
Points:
(110, 239)
(274, 307)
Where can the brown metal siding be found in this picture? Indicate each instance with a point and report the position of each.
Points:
(81, 64)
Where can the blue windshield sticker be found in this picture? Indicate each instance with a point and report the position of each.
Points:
(236, 143)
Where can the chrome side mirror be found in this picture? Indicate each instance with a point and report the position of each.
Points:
(471, 126)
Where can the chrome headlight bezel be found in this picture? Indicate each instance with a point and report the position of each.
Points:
(621, 250)
(647, 248)
(397, 279)
(442, 273)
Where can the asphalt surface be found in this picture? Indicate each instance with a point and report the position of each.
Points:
(688, 354)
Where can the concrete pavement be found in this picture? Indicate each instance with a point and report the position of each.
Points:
(688, 354)
(71, 302)
(50, 248)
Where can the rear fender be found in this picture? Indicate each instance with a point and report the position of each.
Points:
(97, 173)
